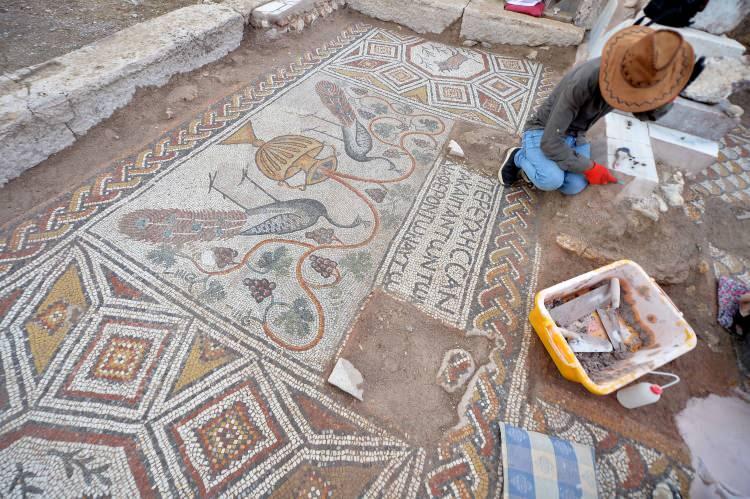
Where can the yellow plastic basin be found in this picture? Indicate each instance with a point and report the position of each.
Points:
(671, 335)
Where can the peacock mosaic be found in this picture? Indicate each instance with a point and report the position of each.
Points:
(167, 329)
(280, 224)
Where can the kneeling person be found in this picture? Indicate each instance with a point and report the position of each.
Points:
(641, 71)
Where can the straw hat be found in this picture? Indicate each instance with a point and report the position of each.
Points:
(643, 68)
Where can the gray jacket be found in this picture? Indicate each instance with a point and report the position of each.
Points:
(571, 109)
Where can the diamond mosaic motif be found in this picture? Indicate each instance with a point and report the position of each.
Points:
(119, 361)
(509, 64)
(502, 87)
(54, 317)
(225, 439)
(228, 436)
(401, 76)
(452, 94)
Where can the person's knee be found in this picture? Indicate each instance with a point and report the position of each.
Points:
(549, 179)
(573, 184)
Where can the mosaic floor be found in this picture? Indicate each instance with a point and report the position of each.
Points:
(728, 179)
(168, 328)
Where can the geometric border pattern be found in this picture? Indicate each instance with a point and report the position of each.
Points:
(455, 82)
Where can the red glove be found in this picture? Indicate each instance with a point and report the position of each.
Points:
(599, 175)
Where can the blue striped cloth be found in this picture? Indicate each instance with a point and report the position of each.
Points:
(540, 466)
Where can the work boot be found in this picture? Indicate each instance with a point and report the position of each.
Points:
(508, 173)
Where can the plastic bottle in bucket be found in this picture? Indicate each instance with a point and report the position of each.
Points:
(642, 394)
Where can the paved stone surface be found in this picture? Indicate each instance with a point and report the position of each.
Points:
(730, 265)
(46, 107)
(488, 21)
(168, 328)
(423, 16)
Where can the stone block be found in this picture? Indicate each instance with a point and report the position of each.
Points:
(488, 21)
(721, 16)
(103, 76)
(721, 77)
(685, 152)
(704, 44)
(629, 153)
(272, 12)
(702, 120)
(590, 12)
(708, 45)
(423, 16)
(629, 147)
(244, 7)
(68, 95)
(25, 139)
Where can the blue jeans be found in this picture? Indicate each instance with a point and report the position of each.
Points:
(543, 172)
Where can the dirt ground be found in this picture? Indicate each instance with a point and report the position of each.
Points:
(676, 243)
(33, 31)
(400, 369)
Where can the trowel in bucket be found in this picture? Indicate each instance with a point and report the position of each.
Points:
(611, 324)
(585, 343)
(609, 318)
